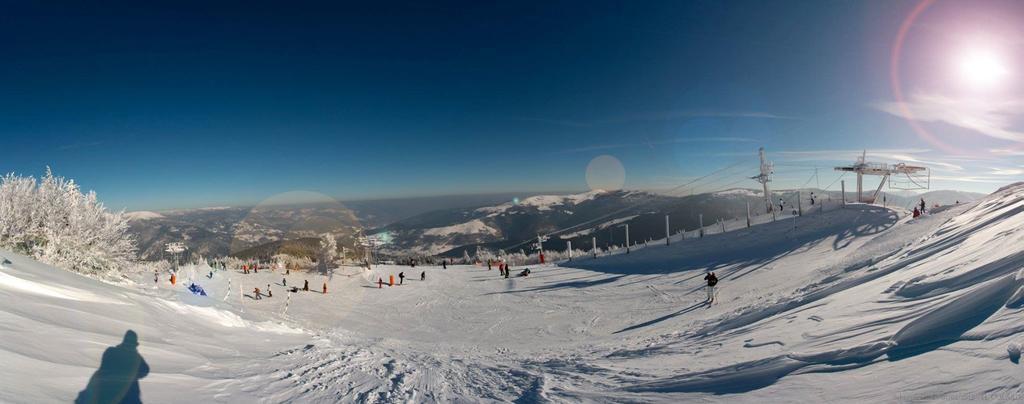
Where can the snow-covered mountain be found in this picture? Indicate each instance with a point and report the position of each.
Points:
(862, 304)
(219, 231)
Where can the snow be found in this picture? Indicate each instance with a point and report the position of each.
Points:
(861, 304)
(737, 192)
(475, 226)
(544, 202)
(143, 215)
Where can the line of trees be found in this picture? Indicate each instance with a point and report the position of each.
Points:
(52, 220)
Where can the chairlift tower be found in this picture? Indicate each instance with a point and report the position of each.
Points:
(767, 168)
(175, 249)
(900, 176)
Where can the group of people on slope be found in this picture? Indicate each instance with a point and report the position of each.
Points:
(504, 269)
(401, 279)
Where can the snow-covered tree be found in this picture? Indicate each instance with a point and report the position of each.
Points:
(53, 221)
(328, 252)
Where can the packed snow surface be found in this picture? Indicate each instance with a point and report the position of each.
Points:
(859, 304)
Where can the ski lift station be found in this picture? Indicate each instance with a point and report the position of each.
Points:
(900, 176)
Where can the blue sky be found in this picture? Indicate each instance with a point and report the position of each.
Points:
(186, 104)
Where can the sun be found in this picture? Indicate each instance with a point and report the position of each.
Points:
(981, 68)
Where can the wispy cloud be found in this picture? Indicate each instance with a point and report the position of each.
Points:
(989, 117)
(840, 154)
(969, 178)
(931, 163)
(660, 116)
(1006, 171)
(725, 139)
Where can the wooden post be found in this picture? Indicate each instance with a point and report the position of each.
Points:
(842, 186)
(799, 207)
(668, 235)
(748, 213)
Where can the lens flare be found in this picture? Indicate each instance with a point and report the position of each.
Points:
(605, 173)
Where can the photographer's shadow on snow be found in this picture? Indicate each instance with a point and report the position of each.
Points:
(117, 379)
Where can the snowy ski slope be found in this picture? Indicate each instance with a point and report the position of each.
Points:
(861, 304)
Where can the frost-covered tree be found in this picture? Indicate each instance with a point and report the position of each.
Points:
(328, 252)
(53, 221)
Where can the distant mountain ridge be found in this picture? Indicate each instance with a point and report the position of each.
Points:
(496, 222)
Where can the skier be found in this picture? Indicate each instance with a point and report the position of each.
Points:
(256, 291)
(270, 293)
(325, 288)
(712, 281)
(284, 282)
(305, 286)
(922, 206)
(423, 276)
(506, 272)
(812, 198)
(488, 264)
(916, 212)
(401, 278)
(782, 205)
(156, 277)
(444, 264)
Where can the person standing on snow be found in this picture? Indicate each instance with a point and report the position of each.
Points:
(922, 206)
(423, 276)
(270, 293)
(812, 198)
(444, 263)
(401, 278)
(256, 292)
(712, 281)
(305, 286)
(782, 205)
(380, 283)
